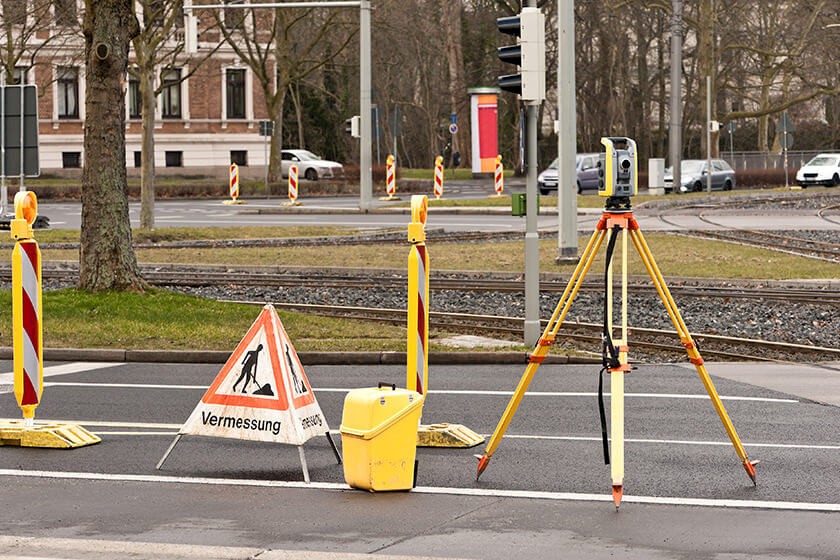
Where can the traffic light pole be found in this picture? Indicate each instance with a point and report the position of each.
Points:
(566, 134)
(532, 239)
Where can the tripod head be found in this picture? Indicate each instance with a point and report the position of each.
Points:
(619, 170)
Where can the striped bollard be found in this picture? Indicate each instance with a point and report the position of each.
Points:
(293, 187)
(27, 341)
(499, 177)
(234, 185)
(438, 177)
(390, 177)
(417, 362)
(26, 307)
(417, 344)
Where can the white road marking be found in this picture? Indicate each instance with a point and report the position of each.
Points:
(146, 426)
(440, 392)
(475, 492)
(7, 379)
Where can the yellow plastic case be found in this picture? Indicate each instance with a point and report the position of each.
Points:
(379, 437)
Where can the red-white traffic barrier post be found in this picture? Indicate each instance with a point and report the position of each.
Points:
(438, 177)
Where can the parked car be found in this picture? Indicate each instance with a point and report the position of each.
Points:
(694, 172)
(586, 166)
(824, 169)
(310, 166)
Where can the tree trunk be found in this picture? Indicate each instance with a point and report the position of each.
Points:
(147, 166)
(106, 256)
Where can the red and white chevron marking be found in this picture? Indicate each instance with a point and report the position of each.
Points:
(499, 184)
(422, 326)
(31, 329)
(293, 183)
(390, 179)
(439, 180)
(234, 181)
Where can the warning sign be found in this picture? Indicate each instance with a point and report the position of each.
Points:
(261, 393)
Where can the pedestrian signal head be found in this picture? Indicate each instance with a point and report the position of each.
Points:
(619, 169)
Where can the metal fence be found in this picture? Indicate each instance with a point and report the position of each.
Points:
(766, 160)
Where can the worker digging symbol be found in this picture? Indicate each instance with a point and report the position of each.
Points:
(297, 383)
(249, 373)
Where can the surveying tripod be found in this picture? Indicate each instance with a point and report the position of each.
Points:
(616, 219)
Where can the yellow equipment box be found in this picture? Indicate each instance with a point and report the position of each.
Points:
(379, 437)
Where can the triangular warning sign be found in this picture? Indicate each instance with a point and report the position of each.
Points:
(261, 393)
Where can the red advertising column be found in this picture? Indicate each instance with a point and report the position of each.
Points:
(485, 129)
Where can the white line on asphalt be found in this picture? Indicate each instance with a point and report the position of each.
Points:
(439, 392)
(64, 369)
(7, 379)
(475, 492)
(175, 427)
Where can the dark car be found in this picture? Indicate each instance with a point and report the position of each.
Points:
(586, 166)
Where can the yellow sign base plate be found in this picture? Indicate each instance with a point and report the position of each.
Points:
(54, 435)
(447, 435)
(232, 201)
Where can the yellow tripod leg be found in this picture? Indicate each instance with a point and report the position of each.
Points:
(617, 380)
(691, 349)
(540, 351)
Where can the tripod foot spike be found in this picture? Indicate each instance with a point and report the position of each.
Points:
(749, 466)
(617, 493)
(483, 460)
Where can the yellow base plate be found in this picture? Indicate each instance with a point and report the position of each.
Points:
(48, 434)
(447, 435)
(237, 201)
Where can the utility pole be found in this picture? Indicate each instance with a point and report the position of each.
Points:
(675, 136)
(566, 134)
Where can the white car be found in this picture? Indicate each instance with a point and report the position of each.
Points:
(310, 166)
(824, 169)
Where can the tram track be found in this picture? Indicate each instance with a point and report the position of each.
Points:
(800, 246)
(658, 341)
(657, 344)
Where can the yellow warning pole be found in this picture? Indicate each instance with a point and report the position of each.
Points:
(417, 359)
(234, 186)
(27, 341)
(390, 179)
(26, 307)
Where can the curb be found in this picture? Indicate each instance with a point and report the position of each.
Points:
(306, 358)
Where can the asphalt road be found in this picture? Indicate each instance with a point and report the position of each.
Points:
(546, 493)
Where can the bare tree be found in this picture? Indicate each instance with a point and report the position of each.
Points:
(158, 49)
(106, 256)
(283, 47)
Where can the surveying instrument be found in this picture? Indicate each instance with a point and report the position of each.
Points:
(619, 182)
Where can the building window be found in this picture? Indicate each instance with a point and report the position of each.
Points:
(14, 12)
(174, 159)
(239, 157)
(135, 102)
(171, 95)
(71, 160)
(138, 159)
(65, 13)
(68, 93)
(234, 18)
(235, 93)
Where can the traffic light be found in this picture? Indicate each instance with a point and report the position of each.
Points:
(351, 126)
(528, 54)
